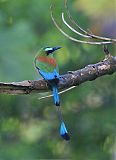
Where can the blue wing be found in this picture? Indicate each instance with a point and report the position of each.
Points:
(49, 76)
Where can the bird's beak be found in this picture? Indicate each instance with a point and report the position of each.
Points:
(56, 48)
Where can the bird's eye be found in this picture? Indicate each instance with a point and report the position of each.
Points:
(48, 50)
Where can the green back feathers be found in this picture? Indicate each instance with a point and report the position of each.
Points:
(44, 62)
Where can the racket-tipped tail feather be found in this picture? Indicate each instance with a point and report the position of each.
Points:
(63, 132)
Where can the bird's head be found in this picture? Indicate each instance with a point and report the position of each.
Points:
(49, 50)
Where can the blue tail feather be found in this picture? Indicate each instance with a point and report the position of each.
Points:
(63, 131)
(56, 96)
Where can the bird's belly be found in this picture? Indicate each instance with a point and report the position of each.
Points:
(49, 75)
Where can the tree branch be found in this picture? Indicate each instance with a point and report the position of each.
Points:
(101, 40)
(72, 78)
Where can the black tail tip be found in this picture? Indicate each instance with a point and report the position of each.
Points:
(57, 104)
(66, 136)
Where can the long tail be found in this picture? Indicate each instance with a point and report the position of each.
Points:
(63, 131)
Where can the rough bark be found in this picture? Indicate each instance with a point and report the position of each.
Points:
(72, 78)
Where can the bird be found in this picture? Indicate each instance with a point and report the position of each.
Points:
(47, 67)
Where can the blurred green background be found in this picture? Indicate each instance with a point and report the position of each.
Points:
(29, 127)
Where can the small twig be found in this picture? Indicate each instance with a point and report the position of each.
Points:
(74, 39)
(106, 50)
(90, 35)
(61, 92)
(107, 53)
(72, 29)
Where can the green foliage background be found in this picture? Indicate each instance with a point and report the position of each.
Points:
(29, 127)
